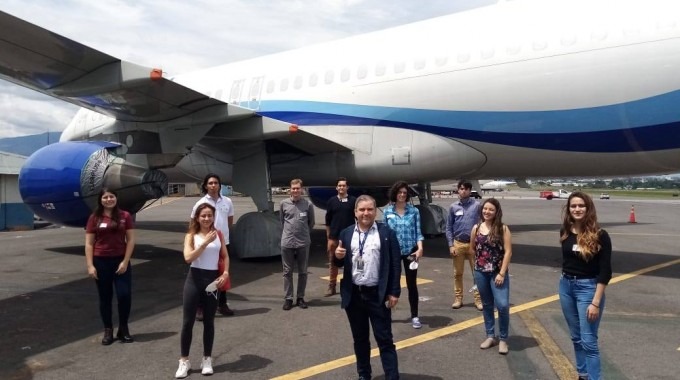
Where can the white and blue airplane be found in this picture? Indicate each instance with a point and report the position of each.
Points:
(495, 185)
(517, 89)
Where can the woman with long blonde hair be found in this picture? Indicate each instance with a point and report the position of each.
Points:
(586, 271)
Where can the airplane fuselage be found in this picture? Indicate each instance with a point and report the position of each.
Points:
(517, 89)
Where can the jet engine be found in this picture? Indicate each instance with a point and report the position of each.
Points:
(61, 182)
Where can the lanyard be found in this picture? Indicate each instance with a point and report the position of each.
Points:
(362, 242)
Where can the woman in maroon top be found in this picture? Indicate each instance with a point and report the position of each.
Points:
(109, 241)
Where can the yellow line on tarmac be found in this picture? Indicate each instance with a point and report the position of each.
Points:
(636, 273)
(558, 360)
(347, 360)
(426, 337)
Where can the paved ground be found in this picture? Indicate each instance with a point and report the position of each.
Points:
(51, 328)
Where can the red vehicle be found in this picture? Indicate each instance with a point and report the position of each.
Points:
(549, 194)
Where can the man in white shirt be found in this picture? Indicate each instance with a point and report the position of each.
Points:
(224, 219)
(370, 288)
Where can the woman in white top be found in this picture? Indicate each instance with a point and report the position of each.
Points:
(202, 249)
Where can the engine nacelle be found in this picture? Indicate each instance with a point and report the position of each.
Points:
(61, 182)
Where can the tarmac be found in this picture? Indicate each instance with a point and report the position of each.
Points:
(51, 328)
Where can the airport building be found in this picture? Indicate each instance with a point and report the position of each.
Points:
(14, 215)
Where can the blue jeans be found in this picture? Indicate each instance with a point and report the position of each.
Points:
(575, 297)
(494, 297)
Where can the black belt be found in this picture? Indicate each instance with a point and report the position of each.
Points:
(576, 277)
(365, 289)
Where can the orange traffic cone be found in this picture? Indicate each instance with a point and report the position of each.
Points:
(631, 219)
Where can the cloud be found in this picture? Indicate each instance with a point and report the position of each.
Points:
(181, 36)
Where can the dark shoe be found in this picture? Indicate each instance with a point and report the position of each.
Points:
(225, 310)
(108, 337)
(199, 314)
(288, 305)
(301, 303)
(330, 291)
(124, 335)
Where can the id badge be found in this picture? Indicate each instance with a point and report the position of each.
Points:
(360, 264)
(575, 248)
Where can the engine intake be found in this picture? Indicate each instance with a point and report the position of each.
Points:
(61, 182)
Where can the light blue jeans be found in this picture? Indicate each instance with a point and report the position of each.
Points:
(494, 297)
(575, 297)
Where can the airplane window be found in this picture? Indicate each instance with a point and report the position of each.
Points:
(540, 45)
(487, 53)
(419, 64)
(399, 67)
(598, 35)
(271, 85)
(568, 40)
(284, 84)
(345, 74)
(513, 49)
(463, 57)
(298, 82)
(329, 76)
(380, 69)
(362, 72)
(441, 61)
(313, 79)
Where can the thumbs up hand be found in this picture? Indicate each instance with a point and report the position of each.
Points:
(340, 251)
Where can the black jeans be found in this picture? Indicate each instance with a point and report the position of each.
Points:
(365, 307)
(107, 280)
(411, 285)
(194, 292)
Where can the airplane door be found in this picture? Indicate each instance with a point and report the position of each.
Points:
(255, 92)
(235, 93)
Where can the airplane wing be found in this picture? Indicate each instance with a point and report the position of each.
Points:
(44, 61)
(54, 65)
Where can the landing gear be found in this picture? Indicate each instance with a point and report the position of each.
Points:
(256, 234)
(432, 217)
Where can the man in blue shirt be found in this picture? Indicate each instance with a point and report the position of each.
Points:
(463, 215)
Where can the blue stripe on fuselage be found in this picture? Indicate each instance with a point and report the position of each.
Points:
(641, 125)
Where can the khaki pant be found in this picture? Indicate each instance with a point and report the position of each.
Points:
(333, 270)
(463, 254)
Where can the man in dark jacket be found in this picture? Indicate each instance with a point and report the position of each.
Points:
(370, 287)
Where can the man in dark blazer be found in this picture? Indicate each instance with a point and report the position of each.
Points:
(370, 286)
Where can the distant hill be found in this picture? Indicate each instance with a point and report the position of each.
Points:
(26, 145)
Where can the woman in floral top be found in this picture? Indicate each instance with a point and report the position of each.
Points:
(492, 246)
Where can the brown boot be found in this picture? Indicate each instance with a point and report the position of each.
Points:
(457, 303)
(108, 337)
(331, 290)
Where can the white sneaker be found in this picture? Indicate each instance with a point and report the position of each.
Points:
(206, 366)
(183, 370)
(415, 322)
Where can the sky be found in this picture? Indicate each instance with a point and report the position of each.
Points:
(182, 36)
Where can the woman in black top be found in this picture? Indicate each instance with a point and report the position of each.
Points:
(586, 271)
